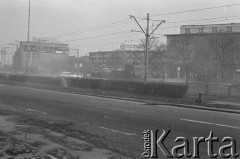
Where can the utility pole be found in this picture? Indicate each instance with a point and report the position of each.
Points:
(146, 56)
(28, 34)
(147, 35)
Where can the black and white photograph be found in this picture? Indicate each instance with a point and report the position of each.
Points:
(119, 79)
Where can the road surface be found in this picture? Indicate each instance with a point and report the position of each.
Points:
(120, 123)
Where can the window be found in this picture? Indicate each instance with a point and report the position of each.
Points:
(200, 30)
(187, 30)
(229, 28)
(214, 29)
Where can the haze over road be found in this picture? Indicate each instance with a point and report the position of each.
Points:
(120, 123)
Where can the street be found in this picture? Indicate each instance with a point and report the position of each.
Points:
(119, 124)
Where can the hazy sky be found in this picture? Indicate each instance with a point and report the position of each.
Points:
(71, 20)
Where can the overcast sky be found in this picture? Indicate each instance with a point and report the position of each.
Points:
(70, 20)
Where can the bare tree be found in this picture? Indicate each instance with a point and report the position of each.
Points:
(226, 52)
(157, 60)
(155, 56)
(153, 44)
(183, 50)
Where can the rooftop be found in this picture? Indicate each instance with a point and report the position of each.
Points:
(202, 25)
(42, 43)
(190, 34)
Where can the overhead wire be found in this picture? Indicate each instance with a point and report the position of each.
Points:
(122, 32)
(205, 19)
(125, 22)
(108, 25)
(200, 23)
(95, 28)
(119, 42)
(193, 10)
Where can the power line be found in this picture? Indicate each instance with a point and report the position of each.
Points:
(193, 10)
(122, 32)
(200, 19)
(218, 21)
(79, 32)
(108, 25)
(100, 26)
(125, 32)
(107, 43)
(123, 36)
(201, 23)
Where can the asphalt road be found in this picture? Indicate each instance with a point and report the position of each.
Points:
(120, 123)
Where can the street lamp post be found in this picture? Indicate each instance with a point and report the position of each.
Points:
(178, 73)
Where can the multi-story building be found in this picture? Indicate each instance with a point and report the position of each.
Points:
(203, 31)
(206, 47)
(107, 61)
(32, 56)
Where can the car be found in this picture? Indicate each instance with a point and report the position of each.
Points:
(80, 75)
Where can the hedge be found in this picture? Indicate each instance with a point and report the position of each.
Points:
(135, 87)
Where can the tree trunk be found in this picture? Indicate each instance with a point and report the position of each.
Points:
(187, 75)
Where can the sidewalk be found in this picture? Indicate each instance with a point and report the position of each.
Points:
(225, 104)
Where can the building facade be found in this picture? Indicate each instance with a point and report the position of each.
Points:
(206, 50)
(31, 57)
(107, 61)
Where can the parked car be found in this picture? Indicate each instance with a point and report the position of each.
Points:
(80, 75)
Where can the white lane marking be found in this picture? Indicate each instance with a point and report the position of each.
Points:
(208, 123)
(116, 131)
(36, 111)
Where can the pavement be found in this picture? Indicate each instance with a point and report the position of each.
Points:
(116, 125)
(20, 140)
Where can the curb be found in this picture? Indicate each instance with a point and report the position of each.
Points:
(187, 106)
(231, 111)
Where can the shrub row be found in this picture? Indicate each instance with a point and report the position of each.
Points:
(155, 89)
(31, 79)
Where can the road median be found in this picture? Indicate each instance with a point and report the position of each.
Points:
(210, 104)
